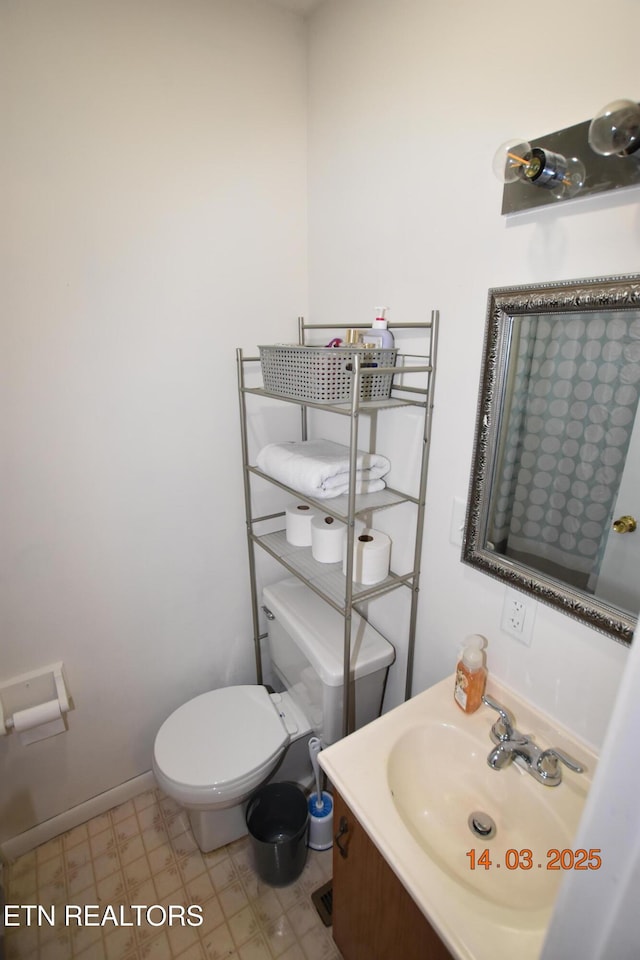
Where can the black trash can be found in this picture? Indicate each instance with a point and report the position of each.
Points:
(278, 824)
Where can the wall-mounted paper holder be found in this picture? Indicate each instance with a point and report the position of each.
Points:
(30, 692)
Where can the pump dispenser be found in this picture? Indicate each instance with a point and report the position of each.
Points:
(471, 675)
(379, 334)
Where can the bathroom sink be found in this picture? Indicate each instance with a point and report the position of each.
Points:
(439, 778)
(415, 776)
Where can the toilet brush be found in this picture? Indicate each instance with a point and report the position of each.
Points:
(320, 806)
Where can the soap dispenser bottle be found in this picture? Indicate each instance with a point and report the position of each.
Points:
(471, 675)
(379, 334)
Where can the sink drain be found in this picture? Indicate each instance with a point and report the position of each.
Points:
(482, 825)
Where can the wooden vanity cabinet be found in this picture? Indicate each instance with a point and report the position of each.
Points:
(374, 918)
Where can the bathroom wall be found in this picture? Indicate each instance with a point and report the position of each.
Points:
(153, 175)
(408, 103)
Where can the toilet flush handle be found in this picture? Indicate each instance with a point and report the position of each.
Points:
(268, 614)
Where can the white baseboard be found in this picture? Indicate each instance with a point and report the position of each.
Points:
(42, 832)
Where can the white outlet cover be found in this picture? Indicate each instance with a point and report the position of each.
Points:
(518, 615)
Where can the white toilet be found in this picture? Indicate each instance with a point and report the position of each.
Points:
(212, 753)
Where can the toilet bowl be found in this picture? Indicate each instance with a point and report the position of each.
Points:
(213, 752)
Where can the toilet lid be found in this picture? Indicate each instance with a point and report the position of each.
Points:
(220, 736)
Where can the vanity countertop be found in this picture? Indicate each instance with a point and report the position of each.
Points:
(410, 778)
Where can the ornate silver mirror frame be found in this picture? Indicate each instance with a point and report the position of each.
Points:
(574, 300)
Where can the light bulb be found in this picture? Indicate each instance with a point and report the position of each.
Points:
(571, 180)
(616, 129)
(510, 160)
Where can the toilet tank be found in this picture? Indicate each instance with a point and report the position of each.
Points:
(306, 641)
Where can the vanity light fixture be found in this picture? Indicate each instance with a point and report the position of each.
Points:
(518, 160)
(594, 156)
(615, 130)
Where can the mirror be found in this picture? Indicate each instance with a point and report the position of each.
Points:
(555, 481)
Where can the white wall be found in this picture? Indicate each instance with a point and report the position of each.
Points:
(595, 914)
(153, 175)
(408, 103)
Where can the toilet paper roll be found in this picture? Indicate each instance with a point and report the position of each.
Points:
(298, 524)
(371, 556)
(38, 723)
(327, 539)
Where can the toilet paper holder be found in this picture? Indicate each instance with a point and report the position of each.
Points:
(31, 690)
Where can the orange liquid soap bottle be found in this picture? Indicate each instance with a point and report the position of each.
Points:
(471, 675)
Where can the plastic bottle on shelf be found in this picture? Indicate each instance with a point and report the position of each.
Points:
(471, 675)
(379, 334)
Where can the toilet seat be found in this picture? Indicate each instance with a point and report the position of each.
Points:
(203, 753)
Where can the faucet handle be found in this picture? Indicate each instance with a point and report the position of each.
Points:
(547, 763)
(503, 728)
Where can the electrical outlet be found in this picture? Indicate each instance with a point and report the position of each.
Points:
(518, 615)
(515, 615)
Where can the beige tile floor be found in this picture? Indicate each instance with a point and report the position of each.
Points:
(143, 853)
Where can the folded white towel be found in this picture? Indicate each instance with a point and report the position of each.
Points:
(320, 468)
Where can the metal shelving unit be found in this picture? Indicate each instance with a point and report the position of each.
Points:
(328, 580)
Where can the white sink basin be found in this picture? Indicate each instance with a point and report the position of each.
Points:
(438, 776)
(413, 778)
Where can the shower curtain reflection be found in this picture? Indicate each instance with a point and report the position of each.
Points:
(570, 406)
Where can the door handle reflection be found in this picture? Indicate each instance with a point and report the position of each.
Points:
(626, 524)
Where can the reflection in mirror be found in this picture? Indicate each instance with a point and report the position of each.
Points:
(555, 485)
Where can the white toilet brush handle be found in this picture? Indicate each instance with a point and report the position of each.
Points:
(315, 746)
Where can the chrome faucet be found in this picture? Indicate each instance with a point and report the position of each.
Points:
(543, 765)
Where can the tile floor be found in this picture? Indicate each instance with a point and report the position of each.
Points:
(143, 852)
